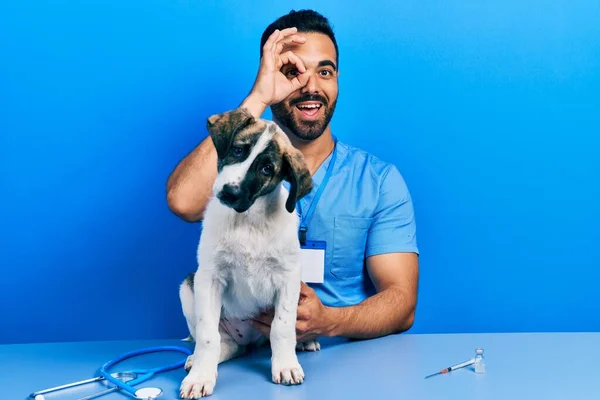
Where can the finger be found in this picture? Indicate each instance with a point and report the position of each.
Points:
(303, 314)
(301, 328)
(281, 34)
(305, 290)
(278, 49)
(289, 31)
(290, 58)
(282, 42)
(302, 299)
(292, 39)
(268, 46)
(299, 82)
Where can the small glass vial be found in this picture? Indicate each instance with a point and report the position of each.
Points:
(479, 361)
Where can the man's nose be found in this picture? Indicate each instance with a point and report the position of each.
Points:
(312, 85)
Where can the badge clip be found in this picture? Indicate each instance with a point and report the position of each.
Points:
(302, 235)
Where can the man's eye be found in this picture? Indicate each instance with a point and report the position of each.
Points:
(267, 170)
(237, 151)
(292, 72)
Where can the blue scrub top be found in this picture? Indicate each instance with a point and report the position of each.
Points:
(365, 210)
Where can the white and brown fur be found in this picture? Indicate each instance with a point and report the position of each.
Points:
(248, 255)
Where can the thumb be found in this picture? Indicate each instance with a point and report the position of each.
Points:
(300, 81)
(305, 290)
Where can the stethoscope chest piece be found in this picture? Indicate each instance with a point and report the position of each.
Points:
(148, 393)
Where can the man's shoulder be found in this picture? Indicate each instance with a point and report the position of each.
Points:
(365, 161)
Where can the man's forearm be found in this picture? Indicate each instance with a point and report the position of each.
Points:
(189, 187)
(389, 311)
(254, 106)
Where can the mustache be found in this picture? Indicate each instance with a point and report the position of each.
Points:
(309, 97)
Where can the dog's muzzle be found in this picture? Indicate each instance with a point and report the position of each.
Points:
(232, 196)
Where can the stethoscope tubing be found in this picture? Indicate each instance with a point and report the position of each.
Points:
(144, 374)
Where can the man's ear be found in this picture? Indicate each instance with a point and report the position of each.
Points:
(297, 174)
(223, 127)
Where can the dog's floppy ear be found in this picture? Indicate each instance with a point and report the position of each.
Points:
(297, 174)
(223, 127)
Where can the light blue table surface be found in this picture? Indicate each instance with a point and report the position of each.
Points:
(518, 366)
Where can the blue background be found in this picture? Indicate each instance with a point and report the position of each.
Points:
(489, 109)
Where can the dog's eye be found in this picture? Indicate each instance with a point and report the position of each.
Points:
(267, 170)
(237, 151)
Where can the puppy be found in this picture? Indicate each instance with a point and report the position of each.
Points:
(248, 255)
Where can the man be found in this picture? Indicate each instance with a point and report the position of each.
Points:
(364, 213)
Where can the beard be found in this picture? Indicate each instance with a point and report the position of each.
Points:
(285, 113)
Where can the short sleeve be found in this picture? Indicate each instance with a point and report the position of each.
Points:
(393, 229)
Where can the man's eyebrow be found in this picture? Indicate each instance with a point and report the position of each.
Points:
(327, 62)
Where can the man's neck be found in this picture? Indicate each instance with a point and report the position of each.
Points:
(314, 151)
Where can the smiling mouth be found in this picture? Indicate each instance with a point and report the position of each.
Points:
(309, 110)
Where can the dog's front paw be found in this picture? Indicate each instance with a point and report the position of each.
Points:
(195, 386)
(309, 345)
(287, 373)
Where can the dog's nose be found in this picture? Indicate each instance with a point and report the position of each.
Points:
(230, 193)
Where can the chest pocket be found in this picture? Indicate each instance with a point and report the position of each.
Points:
(349, 243)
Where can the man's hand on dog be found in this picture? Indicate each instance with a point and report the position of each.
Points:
(313, 319)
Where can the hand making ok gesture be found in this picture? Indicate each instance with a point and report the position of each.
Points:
(272, 85)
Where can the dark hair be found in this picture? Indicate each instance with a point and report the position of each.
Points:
(306, 21)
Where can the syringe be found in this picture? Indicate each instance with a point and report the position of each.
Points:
(452, 368)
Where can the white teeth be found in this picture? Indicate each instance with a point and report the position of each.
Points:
(310, 106)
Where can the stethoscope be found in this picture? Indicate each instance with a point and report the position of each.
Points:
(125, 380)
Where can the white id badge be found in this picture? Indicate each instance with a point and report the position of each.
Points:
(312, 260)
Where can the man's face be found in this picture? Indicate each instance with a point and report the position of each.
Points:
(306, 113)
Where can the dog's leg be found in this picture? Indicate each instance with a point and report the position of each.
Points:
(229, 349)
(186, 296)
(202, 377)
(285, 367)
